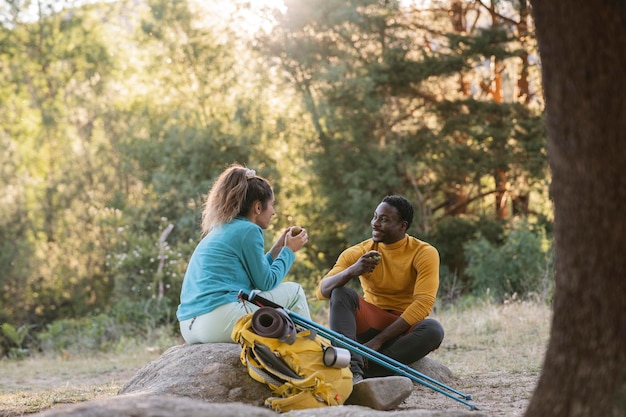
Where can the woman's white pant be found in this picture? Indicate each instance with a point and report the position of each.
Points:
(217, 325)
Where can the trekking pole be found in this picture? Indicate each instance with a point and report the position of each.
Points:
(366, 352)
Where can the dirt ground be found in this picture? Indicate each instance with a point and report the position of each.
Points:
(495, 394)
(495, 353)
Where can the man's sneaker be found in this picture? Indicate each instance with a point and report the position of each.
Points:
(384, 393)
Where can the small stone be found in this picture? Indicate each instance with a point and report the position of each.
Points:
(384, 393)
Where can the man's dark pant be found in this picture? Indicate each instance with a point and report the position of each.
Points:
(359, 320)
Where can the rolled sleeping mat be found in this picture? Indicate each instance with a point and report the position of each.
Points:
(274, 322)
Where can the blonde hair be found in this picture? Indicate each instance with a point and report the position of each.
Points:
(232, 195)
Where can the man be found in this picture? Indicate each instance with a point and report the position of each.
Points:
(399, 275)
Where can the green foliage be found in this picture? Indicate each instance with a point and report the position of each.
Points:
(57, 67)
(480, 137)
(117, 117)
(522, 266)
(369, 75)
(15, 267)
(73, 335)
(144, 316)
(128, 319)
(142, 269)
(14, 340)
(449, 236)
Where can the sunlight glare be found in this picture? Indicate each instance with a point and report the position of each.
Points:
(249, 16)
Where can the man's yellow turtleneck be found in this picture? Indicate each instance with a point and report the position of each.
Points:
(406, 279)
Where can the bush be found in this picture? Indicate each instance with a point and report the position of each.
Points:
(521, 266)
(450, 286)
(449, 237)
(136, 320)
(136, 267)
(13, 341)
(76, 335)
(144, 316)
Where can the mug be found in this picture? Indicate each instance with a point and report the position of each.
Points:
(336, 357)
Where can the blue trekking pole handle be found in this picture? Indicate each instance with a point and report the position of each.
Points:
(363, 350)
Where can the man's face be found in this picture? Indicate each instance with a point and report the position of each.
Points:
(386, 224)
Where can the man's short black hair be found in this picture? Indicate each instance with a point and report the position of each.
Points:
(404, 207)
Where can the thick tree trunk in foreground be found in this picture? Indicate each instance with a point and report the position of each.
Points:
(583, 51)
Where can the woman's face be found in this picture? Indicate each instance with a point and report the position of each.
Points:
(264, 218)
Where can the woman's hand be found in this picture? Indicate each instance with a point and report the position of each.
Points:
(297, 242)
(280, 243)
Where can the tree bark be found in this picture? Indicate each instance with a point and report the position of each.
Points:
(583, 51)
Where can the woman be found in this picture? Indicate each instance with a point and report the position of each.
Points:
(230, 257)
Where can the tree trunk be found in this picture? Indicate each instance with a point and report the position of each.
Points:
(500, 175)
(583, 50)
(501, 203)
(523, 85)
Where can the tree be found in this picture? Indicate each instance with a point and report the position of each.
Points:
(490, 118)
(54, 70)
(583, 50)
(117, 116)
(380, 81)
(207, 103)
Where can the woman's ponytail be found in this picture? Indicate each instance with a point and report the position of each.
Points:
(233, 194)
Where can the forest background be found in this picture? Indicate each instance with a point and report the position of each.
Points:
(118, 115)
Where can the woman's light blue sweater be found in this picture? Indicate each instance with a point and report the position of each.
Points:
(230, 258)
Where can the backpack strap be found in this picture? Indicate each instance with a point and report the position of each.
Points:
(270, 361)
(259, 374)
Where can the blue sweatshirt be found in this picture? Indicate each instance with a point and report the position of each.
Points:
(230, 258)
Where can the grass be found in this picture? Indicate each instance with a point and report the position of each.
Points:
(503, 344)
(32, 384)
(496, 352)
(510, 337)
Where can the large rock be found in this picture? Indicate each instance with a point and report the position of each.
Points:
(214, 373)
(208, 380)
(145, 405)
(434, 370)
(210, 372)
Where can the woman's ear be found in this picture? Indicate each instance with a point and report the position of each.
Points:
(257, 207)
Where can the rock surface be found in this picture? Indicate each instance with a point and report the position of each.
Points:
(381, 393)
(209, 380)
(146, 405)
(209, 372)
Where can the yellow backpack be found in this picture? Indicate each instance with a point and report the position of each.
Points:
(295, 372)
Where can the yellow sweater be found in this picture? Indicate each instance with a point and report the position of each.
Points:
(406, 279)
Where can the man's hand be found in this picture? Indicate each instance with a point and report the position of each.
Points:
(366, 263)
(373, 344)
(397, 328)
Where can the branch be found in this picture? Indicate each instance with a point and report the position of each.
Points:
(492, 11)
(159, 275)
(465, 202)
